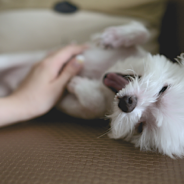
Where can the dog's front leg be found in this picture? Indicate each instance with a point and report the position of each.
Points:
(86, 99)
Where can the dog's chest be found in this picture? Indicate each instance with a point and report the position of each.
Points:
(99, 60)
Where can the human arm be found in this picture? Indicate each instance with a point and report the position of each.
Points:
(42, 88)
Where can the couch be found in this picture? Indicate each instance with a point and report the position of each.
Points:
(59, 149)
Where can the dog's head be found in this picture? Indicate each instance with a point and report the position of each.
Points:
(148, 106)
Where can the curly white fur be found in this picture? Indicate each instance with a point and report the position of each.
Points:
(162, 115)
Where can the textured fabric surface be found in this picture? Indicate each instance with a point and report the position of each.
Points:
(57, 149)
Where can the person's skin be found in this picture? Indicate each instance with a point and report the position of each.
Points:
(42, 88)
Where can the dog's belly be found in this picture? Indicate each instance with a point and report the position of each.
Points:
(98, 60)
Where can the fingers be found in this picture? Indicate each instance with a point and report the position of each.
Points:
(70, 70)
(64, 55)
(56, 62)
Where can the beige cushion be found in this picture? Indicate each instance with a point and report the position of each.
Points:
(25, 30)
(150, 10)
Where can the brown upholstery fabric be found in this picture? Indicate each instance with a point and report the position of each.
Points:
(57, 149)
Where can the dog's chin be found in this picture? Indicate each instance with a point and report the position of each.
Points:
(115, 81)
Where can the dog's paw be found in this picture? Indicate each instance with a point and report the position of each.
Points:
(111, 37)
(126, 35)
(83, 87)
(75, 83)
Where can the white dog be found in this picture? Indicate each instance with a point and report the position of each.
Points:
(143, 93)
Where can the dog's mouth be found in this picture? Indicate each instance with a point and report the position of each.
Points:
(127, 103)
(116, 82)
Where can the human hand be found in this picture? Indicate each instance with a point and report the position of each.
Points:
(44, 85)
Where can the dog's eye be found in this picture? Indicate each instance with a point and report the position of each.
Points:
(162, 90)
(139, 127)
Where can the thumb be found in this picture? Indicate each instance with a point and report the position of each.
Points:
(71, 69)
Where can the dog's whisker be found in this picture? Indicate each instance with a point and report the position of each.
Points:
(104, 133)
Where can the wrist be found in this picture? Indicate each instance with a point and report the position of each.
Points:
(12, 110)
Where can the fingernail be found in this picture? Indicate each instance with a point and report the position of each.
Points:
(79, 60)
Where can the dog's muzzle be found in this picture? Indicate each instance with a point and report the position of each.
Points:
(117, 82)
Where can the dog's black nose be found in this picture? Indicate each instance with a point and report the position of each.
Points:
(127, 103)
